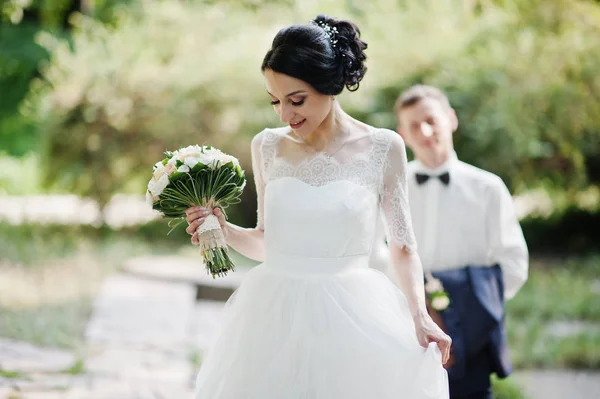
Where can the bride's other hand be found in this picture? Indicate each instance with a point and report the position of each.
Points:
(197, 215)
(428, 331)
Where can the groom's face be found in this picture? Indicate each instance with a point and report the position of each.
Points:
(297, 103)
(427, 127)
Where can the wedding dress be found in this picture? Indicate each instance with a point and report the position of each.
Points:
(314, 321)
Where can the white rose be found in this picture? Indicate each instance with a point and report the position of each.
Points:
(159, 171)
(207, 160)
(157, 186)
(173, 160)
(433, 285)
(170, 168)
(183, 169)
(440, 302)
(214, 153)
(225, 159)
(190, 161)
(190, 150)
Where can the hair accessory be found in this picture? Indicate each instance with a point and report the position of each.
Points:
(331, 32)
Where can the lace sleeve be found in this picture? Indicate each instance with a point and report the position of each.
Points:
(394, 198)
(258, 172)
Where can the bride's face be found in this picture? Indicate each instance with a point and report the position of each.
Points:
(297, 103)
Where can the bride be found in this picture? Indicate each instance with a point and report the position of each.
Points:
(313, 321)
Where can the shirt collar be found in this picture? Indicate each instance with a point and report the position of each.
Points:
(443, 168)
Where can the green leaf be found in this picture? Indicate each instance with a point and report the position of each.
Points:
(198, 167)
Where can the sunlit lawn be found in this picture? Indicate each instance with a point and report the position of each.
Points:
(559, 290)
(48, 279)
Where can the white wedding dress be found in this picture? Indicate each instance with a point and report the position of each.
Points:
(314, 321)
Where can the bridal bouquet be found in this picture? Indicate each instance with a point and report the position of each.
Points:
(437, 296)
(199, 176)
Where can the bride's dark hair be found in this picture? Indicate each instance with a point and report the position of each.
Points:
(327, 53)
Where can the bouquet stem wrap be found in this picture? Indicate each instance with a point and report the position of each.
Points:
(213, 246)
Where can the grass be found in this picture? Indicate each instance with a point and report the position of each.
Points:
(49, 275)
(46, 298)
(10, 374)
(506, 389)
(564, 290)
(77, 369)
(532, 346)
(560, 289)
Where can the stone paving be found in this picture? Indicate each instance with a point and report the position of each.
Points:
(144, 339)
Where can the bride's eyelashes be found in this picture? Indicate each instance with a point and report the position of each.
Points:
(294, 103)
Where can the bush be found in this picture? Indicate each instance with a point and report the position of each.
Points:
(166, 76)
(522, 76)
(523, 81)
(19, 58)
(572, 230)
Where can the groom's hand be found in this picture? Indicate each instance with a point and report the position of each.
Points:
(197, 215)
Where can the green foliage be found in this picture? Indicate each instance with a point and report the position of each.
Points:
(572, 230)
(581, 351)
(532, 346)
(19, 58)
(57, 325)
(165, 77)
(10, 374)
(563, 290)
(76, 369)
(201, 186)
(522, 79)
(506, 389)
(20, 175)
(521, 75)
(54, 14)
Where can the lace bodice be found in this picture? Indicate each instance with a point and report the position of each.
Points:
(376, 162)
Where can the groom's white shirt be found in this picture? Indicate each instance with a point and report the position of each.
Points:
(470, 221)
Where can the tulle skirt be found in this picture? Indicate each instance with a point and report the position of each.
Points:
(319, 328)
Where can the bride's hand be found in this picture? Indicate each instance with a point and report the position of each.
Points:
(428, 331)
(197, 215)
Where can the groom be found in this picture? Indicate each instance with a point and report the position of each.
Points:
(469, 238)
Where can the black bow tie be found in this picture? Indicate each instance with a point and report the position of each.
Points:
(444, 178)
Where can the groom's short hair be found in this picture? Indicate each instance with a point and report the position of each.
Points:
(414, 94)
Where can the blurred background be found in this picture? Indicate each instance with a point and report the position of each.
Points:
(93, 91)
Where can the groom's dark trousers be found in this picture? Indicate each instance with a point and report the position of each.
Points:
(475, 321)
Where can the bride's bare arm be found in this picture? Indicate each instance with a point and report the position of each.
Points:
(247, 241)
(405, 260)
(409, 277)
